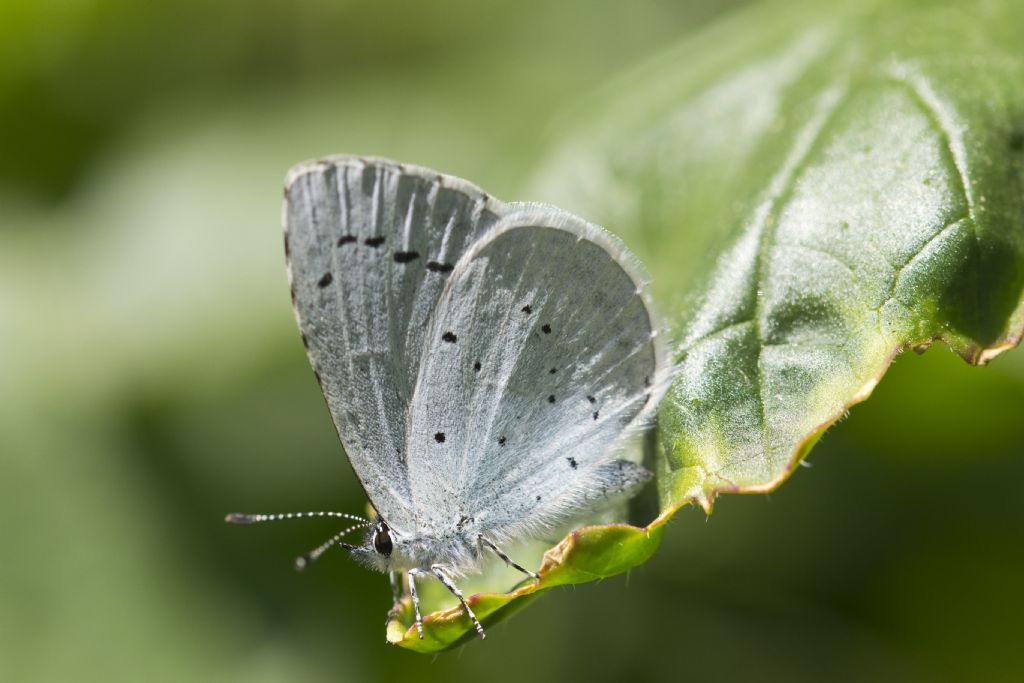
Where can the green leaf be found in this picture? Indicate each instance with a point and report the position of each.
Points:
(869, 165)
(859, 172)
(584, 555)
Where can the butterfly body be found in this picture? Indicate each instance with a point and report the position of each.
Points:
(460, 552)
(460, 545)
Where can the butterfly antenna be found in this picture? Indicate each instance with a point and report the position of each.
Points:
(303, 561)
(240, 518)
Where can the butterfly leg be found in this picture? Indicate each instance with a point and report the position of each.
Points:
(396, 596)
(506, 558)
(416, 600)
(450, 585)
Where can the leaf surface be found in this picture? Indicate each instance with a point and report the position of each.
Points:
(858, 174)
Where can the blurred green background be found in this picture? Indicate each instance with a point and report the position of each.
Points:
(152, 378)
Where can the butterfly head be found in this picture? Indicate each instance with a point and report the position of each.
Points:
(376, 550)
(381, 539)
(379, 547)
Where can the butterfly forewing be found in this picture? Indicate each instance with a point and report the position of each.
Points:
(541, 352)
(370, 247)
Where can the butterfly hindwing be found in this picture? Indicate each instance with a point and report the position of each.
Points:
(370, 246)
(541, 352)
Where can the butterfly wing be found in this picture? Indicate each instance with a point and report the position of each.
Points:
(370, 245)
(542, 351)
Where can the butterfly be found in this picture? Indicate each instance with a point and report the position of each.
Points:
(482, 362)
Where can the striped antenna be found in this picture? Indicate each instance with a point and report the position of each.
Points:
(303, 561)
(240, 518)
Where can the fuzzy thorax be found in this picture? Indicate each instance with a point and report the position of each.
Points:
(388, 550)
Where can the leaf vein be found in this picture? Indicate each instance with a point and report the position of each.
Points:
(924, 247)
(944, 122)
(780, 187)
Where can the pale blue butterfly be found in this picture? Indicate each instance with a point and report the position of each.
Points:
(482, 361)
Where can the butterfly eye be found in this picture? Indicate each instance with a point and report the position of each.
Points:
(382, 541)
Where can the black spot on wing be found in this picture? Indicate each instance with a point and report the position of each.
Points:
(546, 329)
(591, 399)
(551, 398)
(436, 267)
(476, 366)
(287, 251)
(501, 441)
(449, 337)
(439, 437)
(527, 309)
(595, 414)
(346, 239)
(572, 462)
(552, 371)
(325, 280)
(406, 256)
